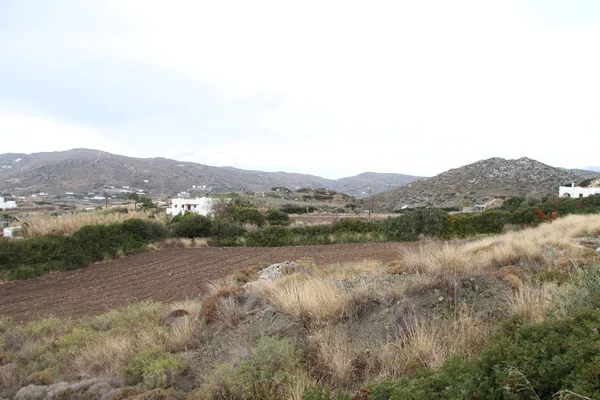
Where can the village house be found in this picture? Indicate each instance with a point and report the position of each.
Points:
(5, 205)
(199, 205)
(576, 191)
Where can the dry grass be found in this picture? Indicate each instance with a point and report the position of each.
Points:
(221, 304)
(105, 357)
(306, 297)
(548, 245)
(181, 335)
(45, 223)
(533, 303)
(336, 357)
(10, 376)
(429, 343)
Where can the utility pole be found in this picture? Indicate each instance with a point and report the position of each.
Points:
(370, 202)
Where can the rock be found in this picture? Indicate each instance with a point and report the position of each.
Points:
(440, 299)
(272, 272)
(598, 250)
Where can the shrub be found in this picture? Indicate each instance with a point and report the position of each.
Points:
(249, 215)
(148, 230)
(225, 233)
(154, 367)
(192, 226)
(268, 373)
(270, 236)
(278, 217)
(408, 227)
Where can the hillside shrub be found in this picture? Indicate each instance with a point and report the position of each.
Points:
(249, 216)
(154, 368)
(192, 226)
(408, 227)
(356, 225)
(524, 361)
(36, 256)
(267, 373)
(278, 217)
(224, 232)
(271, 236)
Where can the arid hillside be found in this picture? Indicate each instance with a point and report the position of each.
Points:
(82, 170)
(478, 183)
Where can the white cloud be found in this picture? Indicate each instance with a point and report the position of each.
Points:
(29, 134)
(409, 87)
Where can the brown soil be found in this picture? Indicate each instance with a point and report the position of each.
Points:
(166, 275)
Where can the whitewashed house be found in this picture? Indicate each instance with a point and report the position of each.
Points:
(199, 205)
(576, 191)
(5, 205)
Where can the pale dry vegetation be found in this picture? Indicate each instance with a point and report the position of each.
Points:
(309, 298)
(39, 224)
(322, 321)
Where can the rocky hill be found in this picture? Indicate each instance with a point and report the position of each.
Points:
(585, 173)
(478, 183)
(83, 170)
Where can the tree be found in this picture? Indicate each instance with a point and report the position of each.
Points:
(135, 197)
(146, 202)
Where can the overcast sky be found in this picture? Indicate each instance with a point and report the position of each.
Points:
(331, 88)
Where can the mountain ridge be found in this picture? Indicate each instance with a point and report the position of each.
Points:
(87, 169)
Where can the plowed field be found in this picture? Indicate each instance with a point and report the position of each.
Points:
(166, 275)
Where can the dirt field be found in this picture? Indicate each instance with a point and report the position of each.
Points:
(165, 275)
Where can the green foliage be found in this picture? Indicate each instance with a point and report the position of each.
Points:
(522, 362)
(268, 373)
(291, 209)
(150, 231)
(39, 255)
(249, 216)
(278, 217)
(408, 227)
(270, 236)
(512, 204)
(146, 202)
(191, 226)
(320, 393)
(154, 368)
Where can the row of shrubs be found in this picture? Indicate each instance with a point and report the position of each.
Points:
(20, 259)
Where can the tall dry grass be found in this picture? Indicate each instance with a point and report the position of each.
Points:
(309, 298)
(429, 342)
(45, 223)
(548, 244)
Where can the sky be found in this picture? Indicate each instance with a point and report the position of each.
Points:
(331, 88)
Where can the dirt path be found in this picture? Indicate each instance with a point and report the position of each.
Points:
(166, 275)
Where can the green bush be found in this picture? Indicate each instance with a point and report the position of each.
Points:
(154, 368)
(39, 255)
(148, 230)
(192, 226)
(408, 227)
(278, 217)
(270, 236)
(268, 373)
(249, 216)
(524, 361)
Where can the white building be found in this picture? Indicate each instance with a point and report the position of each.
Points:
(5, 205)
(199, 205)
(576, 191)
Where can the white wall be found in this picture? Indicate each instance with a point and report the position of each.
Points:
(7, 204)
(199, 205)
(568, 191)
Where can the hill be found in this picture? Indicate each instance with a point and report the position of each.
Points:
(585, 173)
(83, 170)
(478, 183)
